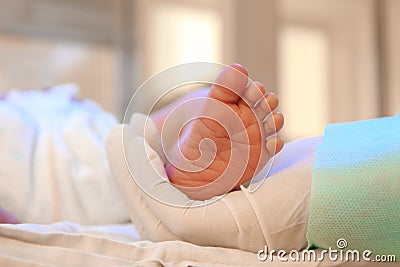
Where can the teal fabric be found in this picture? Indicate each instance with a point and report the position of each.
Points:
(355, 192)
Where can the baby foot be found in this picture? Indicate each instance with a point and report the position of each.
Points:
(238, 153)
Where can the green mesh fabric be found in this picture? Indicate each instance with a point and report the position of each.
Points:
(355, 192)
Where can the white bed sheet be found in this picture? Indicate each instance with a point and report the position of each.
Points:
(69, 244)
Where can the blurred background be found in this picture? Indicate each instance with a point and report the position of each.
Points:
(328, 60)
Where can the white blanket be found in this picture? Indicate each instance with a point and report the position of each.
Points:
(53, 162)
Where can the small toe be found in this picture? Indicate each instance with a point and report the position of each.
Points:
(274, 145)
(254, 92)
(273, 123)
(266, 105)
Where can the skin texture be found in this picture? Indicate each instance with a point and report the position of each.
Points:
(253, 107)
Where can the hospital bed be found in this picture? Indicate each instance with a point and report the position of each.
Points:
(99, 231)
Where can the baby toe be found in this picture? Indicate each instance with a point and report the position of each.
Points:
(273, 123)
(274, 145)
(266, 105)
(254, 92)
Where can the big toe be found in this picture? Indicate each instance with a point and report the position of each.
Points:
(230, 84)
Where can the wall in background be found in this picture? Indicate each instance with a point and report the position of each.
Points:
(390, 55)
(45, 43)
(27, 63)
(329, 61)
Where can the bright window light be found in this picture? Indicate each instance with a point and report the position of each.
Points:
(183, 34)
(303, 81)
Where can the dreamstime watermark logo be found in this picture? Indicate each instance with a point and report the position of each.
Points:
(341, 243)
(163, 89)
(333, 254)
